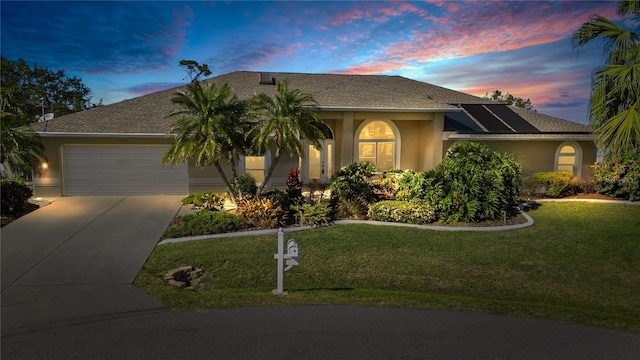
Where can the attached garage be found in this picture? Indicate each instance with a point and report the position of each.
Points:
(120, 170)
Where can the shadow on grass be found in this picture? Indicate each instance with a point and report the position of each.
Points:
(324, 289)
(530, 205)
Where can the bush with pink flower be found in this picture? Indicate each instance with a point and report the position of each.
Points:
(620, 179)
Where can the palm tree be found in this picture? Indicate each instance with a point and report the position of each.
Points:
(211, 128)
(285, 120)
(21, 148)
(615, 94)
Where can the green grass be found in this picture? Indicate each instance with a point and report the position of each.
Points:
(580, 262)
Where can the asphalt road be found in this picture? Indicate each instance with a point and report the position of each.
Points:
(322, 332)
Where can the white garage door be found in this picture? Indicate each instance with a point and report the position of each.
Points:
(120, 170)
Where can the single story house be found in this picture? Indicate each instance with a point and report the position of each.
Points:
(391, 121)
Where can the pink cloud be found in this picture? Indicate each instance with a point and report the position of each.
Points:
(377, 14)
(173, 38)
(493, 27)
(349, 15)
(541, 91)
(368, 69)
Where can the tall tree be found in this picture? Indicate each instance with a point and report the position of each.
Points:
(20, 147)
(194, 69)
(615, 89)
(211, 128)
(36, 90)
(509, 99)
(284, 120)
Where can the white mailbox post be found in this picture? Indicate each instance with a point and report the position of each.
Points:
(292, 257)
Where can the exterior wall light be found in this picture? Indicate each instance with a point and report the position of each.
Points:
(44, 166)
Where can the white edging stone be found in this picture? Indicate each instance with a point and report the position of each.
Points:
(344, 222)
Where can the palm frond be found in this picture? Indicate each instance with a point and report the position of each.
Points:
(617, 39)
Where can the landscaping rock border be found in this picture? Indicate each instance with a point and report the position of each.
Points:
(185, 277)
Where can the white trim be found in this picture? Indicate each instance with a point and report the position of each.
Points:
(79, 134)
(578, 162)
(448, 135)
(396, 133)
(383, 109)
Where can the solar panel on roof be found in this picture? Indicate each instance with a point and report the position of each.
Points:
(514, 120)
(486, 118)
(460, 122)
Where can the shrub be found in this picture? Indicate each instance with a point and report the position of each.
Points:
(204, 222)
(352, 181)
(294, 188)
(208, 201)
(350, 187)
(318, 214)
(15, 194)
(619, 179)
(473, 184)
(282, 199)
(246, 186)
(293, 180)
(349, 209)
(410, 212)
(552, 184)
(261, 213)
(278, 197)
(413, 185)
(389, 183)
(316, 186)
(470, 184)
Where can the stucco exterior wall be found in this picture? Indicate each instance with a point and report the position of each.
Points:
(420, 135)
(539, 156)
(419, 138)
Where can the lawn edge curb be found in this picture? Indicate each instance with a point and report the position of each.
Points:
(528, 223)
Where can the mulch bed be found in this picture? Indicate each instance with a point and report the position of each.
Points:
(8, 218)
(514, 219)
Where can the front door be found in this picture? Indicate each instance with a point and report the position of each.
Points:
(319, 164)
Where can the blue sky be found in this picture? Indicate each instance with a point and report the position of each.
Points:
(123, 49)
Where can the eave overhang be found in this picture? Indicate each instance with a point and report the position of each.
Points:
(449, 135)
(106, 135)
(383, 109)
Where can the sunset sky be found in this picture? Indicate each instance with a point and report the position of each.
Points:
(123, 50)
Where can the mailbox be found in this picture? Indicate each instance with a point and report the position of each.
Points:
(291, 259)
(292, 248)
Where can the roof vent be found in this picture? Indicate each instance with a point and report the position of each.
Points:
(266, 78)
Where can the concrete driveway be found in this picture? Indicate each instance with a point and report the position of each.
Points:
(78, 257)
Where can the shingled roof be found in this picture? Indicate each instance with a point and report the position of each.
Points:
(146, 115)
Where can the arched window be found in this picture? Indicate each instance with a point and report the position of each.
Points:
(378, 144)
(569, 158)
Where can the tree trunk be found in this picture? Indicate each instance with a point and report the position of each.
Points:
(272, 167)
(231, 189)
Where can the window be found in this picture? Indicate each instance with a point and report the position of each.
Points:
(568, 158)
(255, 166)
(377, 144)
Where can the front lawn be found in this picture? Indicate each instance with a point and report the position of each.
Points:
(580, 262)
